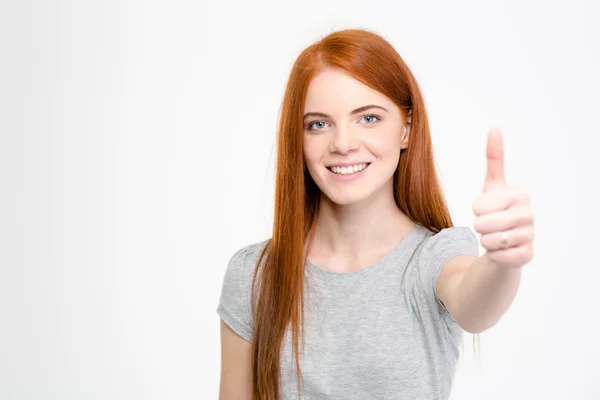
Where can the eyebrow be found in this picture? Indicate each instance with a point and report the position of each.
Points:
(358, 110)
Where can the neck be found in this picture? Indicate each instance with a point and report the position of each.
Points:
(359, 228)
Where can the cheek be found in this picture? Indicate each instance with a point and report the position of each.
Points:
(385, 145)
(312, 151)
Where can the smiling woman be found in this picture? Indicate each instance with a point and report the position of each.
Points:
(349, 139)
(349, 170)
(355, 295)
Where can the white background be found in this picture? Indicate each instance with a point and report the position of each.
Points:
(137, 154)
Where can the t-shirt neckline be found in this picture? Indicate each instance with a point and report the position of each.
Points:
(404, 244)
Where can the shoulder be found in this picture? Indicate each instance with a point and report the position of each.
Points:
(449, 239)
(436, 249)
(250, 252)
(242, 262)
(235, 307)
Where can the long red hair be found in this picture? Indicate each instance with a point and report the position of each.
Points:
(279, 278)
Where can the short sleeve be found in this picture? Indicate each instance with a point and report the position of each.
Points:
(437, 251)
(235, 307)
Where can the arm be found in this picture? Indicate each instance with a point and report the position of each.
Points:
(236, 371)
(477, 291)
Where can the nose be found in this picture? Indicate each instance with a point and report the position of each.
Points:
(343, 141)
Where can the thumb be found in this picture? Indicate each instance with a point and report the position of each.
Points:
(495, 161)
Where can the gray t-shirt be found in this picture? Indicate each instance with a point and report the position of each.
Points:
(376, 333)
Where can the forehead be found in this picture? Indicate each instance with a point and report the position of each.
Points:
(334, 90)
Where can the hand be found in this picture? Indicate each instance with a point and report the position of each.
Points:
(503, 215)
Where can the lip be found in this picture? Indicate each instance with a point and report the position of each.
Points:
(346, 164)
(349, 177)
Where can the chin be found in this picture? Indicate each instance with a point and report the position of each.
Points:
(351, 192)
(345, 199)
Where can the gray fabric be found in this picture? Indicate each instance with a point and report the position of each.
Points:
(377, 333)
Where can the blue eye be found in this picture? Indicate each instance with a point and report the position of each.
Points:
(371, 118)
(321, 125)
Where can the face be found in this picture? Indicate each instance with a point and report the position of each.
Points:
(353, 136)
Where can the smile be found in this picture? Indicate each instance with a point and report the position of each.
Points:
(348, 170)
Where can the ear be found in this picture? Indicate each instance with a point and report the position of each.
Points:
(406, 131)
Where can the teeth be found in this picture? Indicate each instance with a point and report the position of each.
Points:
(348, 170)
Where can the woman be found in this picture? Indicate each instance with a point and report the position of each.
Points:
(365, 287)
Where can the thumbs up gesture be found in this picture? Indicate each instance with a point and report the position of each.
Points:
(503, 214)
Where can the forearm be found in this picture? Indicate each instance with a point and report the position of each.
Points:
(485, 293)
